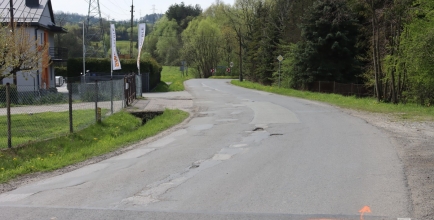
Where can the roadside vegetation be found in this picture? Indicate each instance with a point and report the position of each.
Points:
(224, 77)
(172, 80)
(118, 130)
(384, 45)
(27, 127)
(400, 111)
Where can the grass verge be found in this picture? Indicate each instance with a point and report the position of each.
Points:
(401, 111)
(224, 77)
(113, 133)
(172, 80)
(28, 127)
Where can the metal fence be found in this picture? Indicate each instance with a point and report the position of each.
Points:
(349, 89)
(37, 114)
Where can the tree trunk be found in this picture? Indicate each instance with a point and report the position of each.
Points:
(374, 53)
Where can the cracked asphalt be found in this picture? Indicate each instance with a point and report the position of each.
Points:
(245, 154)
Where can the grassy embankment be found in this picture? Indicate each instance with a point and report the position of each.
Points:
(113, 133)
(400, 111)
(171, 80)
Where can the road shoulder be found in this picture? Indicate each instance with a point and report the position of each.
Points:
(414, 144)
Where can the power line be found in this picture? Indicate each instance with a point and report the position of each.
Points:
(115, 4)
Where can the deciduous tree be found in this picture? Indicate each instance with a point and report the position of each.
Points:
(20, 52)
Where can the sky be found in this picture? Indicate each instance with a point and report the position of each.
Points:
(120, 9)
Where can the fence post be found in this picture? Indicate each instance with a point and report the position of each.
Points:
(71, 128)
(96, 100)
(8, 112)
(124, 94)
(111, 95)
(319, 86)
(134, 90)
(334, 87)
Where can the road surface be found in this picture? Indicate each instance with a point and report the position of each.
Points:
(246, 155)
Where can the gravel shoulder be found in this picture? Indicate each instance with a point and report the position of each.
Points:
(414, 142)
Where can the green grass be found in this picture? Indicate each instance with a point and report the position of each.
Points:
(124, 44)
(224, 77)
(40, 126)
(114, 132)
(172, 80)
(400, 111)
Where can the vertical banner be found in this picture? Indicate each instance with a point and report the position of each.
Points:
(142, 31)
(116, 64)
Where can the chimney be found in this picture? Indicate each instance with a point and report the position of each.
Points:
(32, 3)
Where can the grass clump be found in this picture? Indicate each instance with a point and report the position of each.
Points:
(114, 132)
(401, 111)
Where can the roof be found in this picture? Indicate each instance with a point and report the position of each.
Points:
(32, 15)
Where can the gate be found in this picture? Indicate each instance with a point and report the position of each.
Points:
(130, 88)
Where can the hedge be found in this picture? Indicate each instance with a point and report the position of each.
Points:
(61, 71)
(75, 67)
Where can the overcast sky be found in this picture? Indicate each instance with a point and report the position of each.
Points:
(120, 9)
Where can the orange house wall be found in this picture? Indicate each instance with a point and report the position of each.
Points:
(45, 84)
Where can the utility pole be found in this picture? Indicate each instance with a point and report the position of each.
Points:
(131, 32)
(11, 5)
(94, 30)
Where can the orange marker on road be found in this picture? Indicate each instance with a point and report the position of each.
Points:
(364, 210)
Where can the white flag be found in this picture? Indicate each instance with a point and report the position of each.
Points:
(142, 31)
(115, 58)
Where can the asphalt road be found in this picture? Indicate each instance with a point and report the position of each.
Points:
(247, 155)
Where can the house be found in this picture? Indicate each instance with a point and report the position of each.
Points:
(38, 16)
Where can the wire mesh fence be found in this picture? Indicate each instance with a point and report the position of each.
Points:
(346, 89)
(37, 114)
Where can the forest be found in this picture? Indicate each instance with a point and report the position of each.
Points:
(386, 45)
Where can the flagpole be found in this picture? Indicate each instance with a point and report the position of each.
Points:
(111, 55)
(111, 75)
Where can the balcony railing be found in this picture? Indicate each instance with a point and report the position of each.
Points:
(59, 53)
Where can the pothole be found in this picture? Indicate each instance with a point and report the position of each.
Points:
(146, 116)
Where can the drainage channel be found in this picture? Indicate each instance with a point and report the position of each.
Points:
(146, 116)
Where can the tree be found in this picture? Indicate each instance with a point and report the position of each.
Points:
(164, 42)
(328, 51)
(229, 45)
(73, 40)
(263, 45)
(201, 45)
(415, 57)
(183, 14)
(19, 52)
